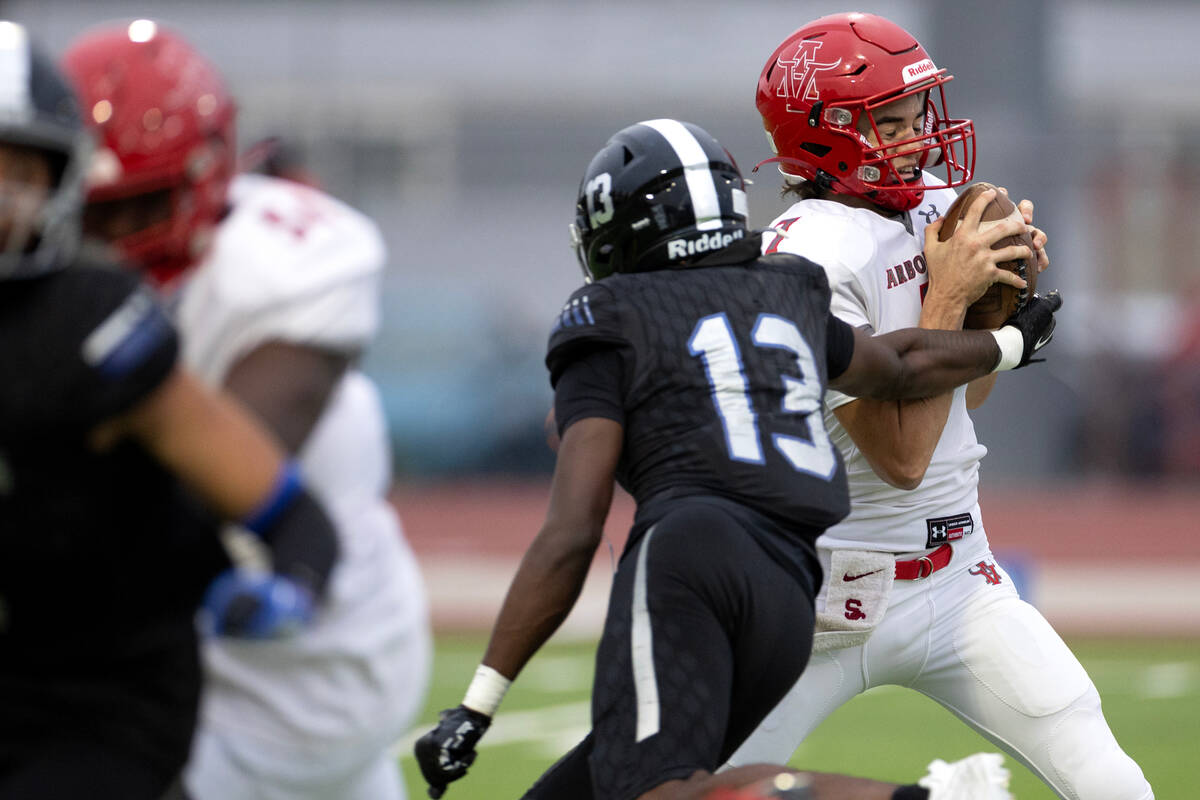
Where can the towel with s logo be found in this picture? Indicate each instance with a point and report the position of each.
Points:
(856, 599)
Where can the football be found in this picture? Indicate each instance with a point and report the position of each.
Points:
(1000, 301)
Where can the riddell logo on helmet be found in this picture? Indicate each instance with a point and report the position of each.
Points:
(917, 71)
(681, 248)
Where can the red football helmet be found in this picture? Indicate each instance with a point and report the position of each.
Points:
(166, 128)
(818, 85)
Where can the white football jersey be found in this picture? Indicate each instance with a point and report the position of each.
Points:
(290, 263)
(876, 269)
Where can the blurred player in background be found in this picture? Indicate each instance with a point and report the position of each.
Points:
(692, 371)
(106, 444)
(855, 110)
(275, 287)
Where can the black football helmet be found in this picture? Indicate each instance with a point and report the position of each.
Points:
(39, 110)
(662, 194)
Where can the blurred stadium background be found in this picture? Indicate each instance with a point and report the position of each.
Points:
(462, 127)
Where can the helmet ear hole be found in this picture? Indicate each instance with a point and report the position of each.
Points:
(600, 261)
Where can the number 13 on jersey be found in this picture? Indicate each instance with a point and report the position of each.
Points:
(714, 342)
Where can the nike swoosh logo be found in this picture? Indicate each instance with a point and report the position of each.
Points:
(848, 577)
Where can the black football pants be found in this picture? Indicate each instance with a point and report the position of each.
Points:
(705, 634)
(79, 771)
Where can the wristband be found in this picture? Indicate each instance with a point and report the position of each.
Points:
(1012, 348)
(301, 537)
(287, 486)
(486, 691)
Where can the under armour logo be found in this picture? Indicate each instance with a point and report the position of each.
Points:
(931, 214)
(988, 571)
(800, 73)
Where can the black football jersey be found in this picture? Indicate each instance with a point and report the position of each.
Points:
(103, 556)
(725, 373)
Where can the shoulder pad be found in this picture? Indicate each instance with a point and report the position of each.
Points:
(591, 317)
(92, 343)
(283, 240)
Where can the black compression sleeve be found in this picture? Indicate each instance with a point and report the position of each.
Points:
(839, 346)
(303, 542)
(590, 386)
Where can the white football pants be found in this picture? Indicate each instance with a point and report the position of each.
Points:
(222, 768)
(987, 656)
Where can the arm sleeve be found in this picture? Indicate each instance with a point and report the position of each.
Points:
(303, 543)
(125, 355)
(590, 386)
(839, 346)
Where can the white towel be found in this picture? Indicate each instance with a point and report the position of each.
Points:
(856, 598)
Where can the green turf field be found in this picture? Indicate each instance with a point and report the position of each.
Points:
(1151, 692)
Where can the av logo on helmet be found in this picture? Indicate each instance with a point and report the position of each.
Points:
(799, 81)
(917, 71)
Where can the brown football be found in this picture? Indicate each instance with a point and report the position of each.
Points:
(1000, 301)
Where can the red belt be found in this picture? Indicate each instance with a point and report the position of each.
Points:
(924, 566)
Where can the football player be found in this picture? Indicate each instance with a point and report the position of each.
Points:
(275, 287)
(855, 111)
(692, 370)
(106, 443)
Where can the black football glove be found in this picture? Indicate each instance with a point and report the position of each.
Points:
(446, 751)
(1036, 323)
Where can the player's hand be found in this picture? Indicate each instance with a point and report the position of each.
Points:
(964, 266)
(1038, 235)
(1036, 323)
(446, 751)
(255, 605)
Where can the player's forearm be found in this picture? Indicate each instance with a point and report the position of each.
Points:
(934, 362)
(555, 566)
(897, 437)
(542, 594)
(943, 313)
(210, 442)
(939, 312)
(979, 389)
